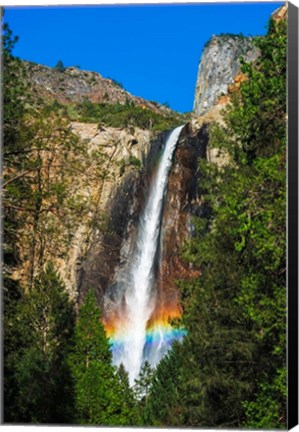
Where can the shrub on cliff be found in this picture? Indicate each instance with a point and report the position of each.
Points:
(59, 66)
(123, 116)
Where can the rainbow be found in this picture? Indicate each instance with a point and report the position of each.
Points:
(159, 330)
(153, 337)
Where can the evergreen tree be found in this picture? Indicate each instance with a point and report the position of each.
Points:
(163, 404)
(60, 66)
(14, 98)
(144, 381)
(256, 125)
(12, 341)
(44, 322)
(130, 409)
(101, 398)
(15, 90)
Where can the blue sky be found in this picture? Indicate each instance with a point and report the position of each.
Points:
(153, 50)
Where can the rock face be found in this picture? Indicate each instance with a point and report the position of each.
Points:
(218, 67)
(114, 195)
(109, 253)
(182, 202)
(105, 171)
(281, 13)
(73, 85)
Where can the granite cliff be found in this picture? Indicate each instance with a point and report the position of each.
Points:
(219, 66)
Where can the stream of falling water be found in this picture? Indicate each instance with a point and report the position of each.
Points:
(129, 339)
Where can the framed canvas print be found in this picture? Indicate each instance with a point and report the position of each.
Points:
(150, 215)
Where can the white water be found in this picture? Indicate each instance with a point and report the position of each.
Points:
(139, 296)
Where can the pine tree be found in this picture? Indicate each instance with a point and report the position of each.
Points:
(162, 407)
(60, 66)
(44, 322)
(144, 381)
(15, 95)
(130, 410)
(12, 340)
(102, 397)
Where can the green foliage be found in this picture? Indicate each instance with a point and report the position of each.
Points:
(134, 161)
(230, 369)
(15, 95)
(130, 409)
(144, 381)
(14, 88)
(12, 293)
(102, 396)
(116, 83)
(43, 324)
(59, 66)
(35, 191)
(163, 404)
(225, 37)
(123, 115)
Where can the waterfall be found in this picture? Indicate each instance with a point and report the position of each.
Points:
(130, 331)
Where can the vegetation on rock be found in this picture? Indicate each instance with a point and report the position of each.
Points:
(59, 66)
(224, 37)
(118, 115)
(230, 369)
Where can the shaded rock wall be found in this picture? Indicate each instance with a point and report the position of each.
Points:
(111, 189)
(110, 249)
(182, 202)
(105, 253)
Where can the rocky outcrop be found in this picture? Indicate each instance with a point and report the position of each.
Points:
(219, 65)
(219, 71)
(73, 85)
(281, 13)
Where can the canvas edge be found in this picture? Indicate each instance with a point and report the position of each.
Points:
(292, 209)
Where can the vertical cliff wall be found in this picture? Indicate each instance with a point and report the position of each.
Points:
(182, 202)
(109, 252)
(219, 65)
(121, 198)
